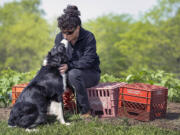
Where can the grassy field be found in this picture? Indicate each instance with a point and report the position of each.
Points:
(92, 126)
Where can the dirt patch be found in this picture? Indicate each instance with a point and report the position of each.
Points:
(4, 113)
(171, 121)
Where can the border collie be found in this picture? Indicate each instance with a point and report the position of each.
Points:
(43, 93)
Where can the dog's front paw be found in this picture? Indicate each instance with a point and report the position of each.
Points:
(10, 126)
(66, 123)
(31, 130)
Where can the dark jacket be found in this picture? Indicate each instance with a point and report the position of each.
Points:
(83, 54)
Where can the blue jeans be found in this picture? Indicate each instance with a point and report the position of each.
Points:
(79, 80)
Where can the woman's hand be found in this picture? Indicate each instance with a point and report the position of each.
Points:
(63, 68)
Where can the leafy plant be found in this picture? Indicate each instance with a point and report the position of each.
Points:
(159, 77)
(110, 78)
(9, 78)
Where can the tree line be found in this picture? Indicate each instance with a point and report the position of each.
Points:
(125, 45)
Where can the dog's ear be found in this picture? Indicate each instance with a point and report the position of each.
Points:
(61, 48)
(53, 51)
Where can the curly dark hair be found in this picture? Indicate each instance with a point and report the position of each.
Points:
(70, 19)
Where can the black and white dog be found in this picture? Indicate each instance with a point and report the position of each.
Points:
(43, 93)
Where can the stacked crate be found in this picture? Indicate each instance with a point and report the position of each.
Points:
(142, 101)
(103, 99)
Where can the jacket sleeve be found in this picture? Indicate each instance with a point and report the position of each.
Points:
(89, 56)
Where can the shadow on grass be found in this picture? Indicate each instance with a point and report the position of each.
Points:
(172, 116)
(69, 117)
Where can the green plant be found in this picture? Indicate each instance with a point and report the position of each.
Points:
(110, 78)
(161, 78)
(9, 78)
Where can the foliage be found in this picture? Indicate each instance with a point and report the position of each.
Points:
(126, 46)
(149, 46)
(110, 78)
(159, 77)
(106, 30)
(162, 11)
(9, 78)
(25, 35)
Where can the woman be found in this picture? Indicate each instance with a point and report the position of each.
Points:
(83, 66)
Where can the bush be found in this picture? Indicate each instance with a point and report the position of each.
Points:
(110, 78)
(159, 77)
(9, 78)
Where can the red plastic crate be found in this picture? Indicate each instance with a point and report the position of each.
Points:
(69, 100)
(68, 96)
(103, 99)
(16, 91)
(142, 101)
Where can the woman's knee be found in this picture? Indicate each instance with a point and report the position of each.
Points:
(74, 73)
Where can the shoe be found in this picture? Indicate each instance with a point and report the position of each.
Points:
(86, 115)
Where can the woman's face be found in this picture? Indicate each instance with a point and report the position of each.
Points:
(71, 35)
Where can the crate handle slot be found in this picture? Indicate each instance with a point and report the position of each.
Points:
(104, 93)
(97, 93)
(98, 112)
(108, 93)
(108, 111)
(90, 93)
(100, 93)
(93, 93)
(133, 113)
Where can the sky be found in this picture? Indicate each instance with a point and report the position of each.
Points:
(90, 9)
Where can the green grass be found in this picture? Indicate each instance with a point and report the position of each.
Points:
(88, 127)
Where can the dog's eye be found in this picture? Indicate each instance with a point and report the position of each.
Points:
(60, 49)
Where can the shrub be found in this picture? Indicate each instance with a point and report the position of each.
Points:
(9, 78)
(159, 77)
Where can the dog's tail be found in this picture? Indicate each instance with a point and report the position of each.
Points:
(23, 115)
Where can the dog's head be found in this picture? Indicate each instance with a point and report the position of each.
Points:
(56, 56)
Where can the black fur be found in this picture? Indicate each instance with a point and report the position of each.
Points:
(31, 106)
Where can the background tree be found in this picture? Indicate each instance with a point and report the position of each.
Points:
(25, 35)
(124, 45)
(106, 30)
(154, 43)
